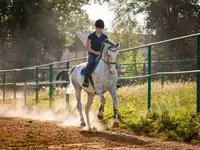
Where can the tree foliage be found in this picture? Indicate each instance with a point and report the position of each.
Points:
(127, 35)
(165, 19)
(33, 32)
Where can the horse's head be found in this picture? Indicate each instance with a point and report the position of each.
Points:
(110, 54)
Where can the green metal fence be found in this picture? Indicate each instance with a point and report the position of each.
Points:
(35, 83)
(148, 76)
(122, 68)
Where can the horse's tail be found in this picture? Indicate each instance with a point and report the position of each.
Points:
(72, 69)
(70, 87)
(60, 74)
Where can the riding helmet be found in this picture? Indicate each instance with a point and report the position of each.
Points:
(99, 24)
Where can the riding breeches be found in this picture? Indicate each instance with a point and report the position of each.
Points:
(91, 61)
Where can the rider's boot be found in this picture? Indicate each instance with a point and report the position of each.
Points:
(86, 82)
(87, 73)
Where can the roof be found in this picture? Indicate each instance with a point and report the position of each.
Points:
(83, 36)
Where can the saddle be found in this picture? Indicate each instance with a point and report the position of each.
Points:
(83, 71)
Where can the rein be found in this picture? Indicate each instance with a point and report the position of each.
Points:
(109, 49)
(107, 62)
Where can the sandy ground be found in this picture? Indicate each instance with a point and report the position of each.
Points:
(19, 134)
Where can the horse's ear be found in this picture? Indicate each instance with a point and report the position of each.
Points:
(117, 44)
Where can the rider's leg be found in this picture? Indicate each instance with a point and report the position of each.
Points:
(91, 60)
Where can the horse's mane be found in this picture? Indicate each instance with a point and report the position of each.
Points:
(109, 42)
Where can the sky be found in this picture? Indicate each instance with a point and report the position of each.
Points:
(103, 12)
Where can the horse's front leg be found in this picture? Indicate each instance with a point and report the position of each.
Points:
(99, 91)
(113, 93)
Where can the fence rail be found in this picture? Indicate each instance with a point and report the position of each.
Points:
(149, 75)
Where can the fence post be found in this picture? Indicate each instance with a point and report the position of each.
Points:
(14, 86)
(36, 84)
(67, 80)
(149, 78)
(25, 85)
(144, 68)
(4, 85)
(50, 85)
(198, 75)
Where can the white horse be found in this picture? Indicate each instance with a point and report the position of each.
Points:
(104, 79)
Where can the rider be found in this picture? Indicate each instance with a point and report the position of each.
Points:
(93, 46)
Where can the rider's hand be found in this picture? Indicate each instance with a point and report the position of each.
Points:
(98, 53)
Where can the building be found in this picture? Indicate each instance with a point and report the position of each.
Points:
(77, 50)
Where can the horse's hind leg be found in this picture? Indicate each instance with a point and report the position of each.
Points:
(87, 108)
(79, 105)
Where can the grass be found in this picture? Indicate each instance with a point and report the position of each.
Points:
(173, 114)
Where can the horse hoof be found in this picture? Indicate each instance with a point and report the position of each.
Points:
(90, 130)
(83, 124)
(115, 125)
(94, 129)
(100, 117)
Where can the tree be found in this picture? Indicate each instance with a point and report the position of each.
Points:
(34, 32)
(174, 18)
(127, 35)
(165, 19)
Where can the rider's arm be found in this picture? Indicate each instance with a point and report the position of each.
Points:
(88, 48)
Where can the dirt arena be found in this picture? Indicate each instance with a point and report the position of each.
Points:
(19, 134)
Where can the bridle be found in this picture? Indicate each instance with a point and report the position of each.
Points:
(109, 49)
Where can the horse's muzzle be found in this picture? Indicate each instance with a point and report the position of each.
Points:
(112, 70)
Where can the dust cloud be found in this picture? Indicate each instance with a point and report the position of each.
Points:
(65, 117)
